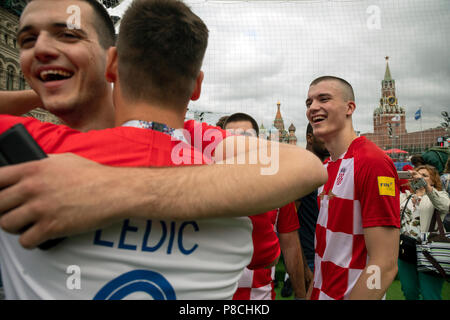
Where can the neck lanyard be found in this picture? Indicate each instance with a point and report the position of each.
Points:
(161, 127)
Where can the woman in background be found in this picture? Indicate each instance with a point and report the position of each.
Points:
(425, 198)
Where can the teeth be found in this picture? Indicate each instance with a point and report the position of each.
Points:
(318, 118)
(45, 74)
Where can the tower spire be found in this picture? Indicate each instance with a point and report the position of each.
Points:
(278, 115)
(278, 122)
(387, 74)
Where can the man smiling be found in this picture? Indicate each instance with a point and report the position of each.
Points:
(66, 66)
(357, 232)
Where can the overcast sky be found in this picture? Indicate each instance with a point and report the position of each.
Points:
(261, 52)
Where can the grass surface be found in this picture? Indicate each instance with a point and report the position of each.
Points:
(394, 292)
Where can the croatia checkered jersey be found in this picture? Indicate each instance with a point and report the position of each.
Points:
(134, 258)
(362, 191)
(258, 284)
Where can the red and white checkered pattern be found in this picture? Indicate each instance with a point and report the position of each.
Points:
(258, 284)
(349, 202)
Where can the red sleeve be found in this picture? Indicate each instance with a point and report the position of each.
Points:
(266, 247)
(47, 135)
(377, 189)
(7, 121)
(34, 126)
(288, 219)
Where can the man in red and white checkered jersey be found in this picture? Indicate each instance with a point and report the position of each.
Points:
(258, 284)
(357, 232)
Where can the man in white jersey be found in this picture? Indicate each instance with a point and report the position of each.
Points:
(75, 62)
(357, 233)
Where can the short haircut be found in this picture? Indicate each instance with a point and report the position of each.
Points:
(161, 45)
(348, 93)
(221, 122)
(235, 117)
(102, 23)
(434, 175)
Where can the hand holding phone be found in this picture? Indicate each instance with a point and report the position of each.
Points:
(17, 146)
(404, 175)
(418, 184)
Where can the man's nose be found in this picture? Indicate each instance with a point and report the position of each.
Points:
(315, 105)
(45, 48)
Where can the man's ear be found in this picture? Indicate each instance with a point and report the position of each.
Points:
(111, 65)
(351, 106)
(198, 86)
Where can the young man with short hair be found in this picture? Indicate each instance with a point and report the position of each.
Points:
(357, 233)
(66, 66)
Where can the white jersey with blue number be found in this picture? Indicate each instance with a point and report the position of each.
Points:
(135, 259)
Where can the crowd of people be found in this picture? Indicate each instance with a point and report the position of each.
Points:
(162, 227)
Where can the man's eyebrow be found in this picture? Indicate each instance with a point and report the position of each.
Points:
(63, 25)
(23, 29)
(56, 25)
(320, 95)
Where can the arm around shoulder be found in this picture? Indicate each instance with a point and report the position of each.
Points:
(30, 193)
(286, 171)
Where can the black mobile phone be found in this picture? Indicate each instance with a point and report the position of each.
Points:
(417, 184)
(17, 146)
